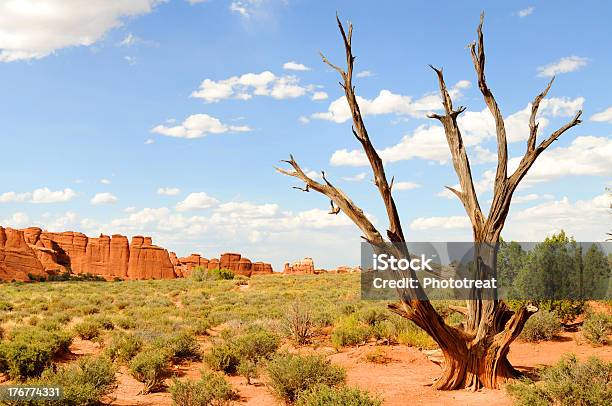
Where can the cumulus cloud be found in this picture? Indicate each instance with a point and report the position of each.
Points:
(246, 86)
(168, 191)
(34, 30)
(103, 198)
(388, 102)
(364, 74)
(428, 141)
(405, 186)
(197, 201)
(292, 65)
(17, 220)
(198, 125)
(41, 195)
(563, 65)
(356, 178)
(319, 96)
(603, 116)
(450, 222)
(105, 181)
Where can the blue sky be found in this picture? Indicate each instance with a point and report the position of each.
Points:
(165, 118)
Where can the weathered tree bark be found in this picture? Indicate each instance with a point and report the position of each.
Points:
(475, 354)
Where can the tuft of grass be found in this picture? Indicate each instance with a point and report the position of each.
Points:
(597, 327)
(349, 331)
(542, 326)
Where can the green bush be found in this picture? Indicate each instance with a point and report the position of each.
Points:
(83, 384)
(88, 329)
(211, 389)
(542, 326)
(5, 306)
(198, 274)
(182, 345)
(123, 347)
(597, 327)
(291, 374)
(221, 274)
(30, 350)
(567, 383)
(349, 331)
(323, 395)
(373, 316)
(223, 357)
(151, 368)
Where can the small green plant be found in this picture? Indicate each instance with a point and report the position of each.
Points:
(198, 274)
(30, 350)
(542, 326)
(84, 383)
(221, 274)
(248, 369)
(597, 327)
(377, 356)
(223, 357)
(88, 329)
(292, 374)
(567, 383)
(151, 368)
(323, 395)
(123, 347)
(182, 345)
(212, 389)
(349, 331)
(5, 306)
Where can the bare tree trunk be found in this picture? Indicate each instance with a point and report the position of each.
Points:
(476, 355)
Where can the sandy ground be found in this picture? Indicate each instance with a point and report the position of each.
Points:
(404, 379)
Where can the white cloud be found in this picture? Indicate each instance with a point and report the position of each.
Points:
(105, 181)
(45, 195)
(13, 197)
(129, 40)
(303, 119)
(168, 191)
(450, 222)
(563, 65)
(405, 186)
(603, 116)
(246, 86)
(241, 7)
(149, 141)
(319, 96)
(103, 198)
(197, 201)
(65, 222)
(17, 220)
(130, 60)
(292, 65)
(198, 125)
(33, 30)
(356, 178)
(429, 142)
(364, 74)
(525, 12)
(388, 102)
(196, 1)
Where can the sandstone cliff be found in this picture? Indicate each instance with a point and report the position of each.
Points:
(34, 252)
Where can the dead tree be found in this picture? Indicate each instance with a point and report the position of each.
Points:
(475, 356)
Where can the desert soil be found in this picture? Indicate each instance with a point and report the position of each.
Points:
(404, 379)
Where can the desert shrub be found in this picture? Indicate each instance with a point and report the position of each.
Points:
(84, 383)
(372, 316)
(567, 383)
(348, 309)
(88, 329)
(151, 368)
(377, 356)
(386, 330)
(199, 326)
(597, 327)
(30, 350)
(221, 274)
(349, 331)
(182, 345)
(5, 306)
(291, 374)
(323, 395)
(542, 326)
(104, 322)
(198, 274)
(123, 347)
(248, 369)
(212, 389)
(124, 322)
(298, 324)
(223, 357)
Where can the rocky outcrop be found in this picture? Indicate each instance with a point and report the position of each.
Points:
(345, 269)
(34, 252)
(18, 260)
(303, 267)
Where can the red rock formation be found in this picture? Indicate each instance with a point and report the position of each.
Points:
(17, 259)
(148, 261)
(41, 253)
(305, 266)
(345, 269)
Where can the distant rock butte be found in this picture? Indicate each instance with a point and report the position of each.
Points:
(35, 252)
(306, 267)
